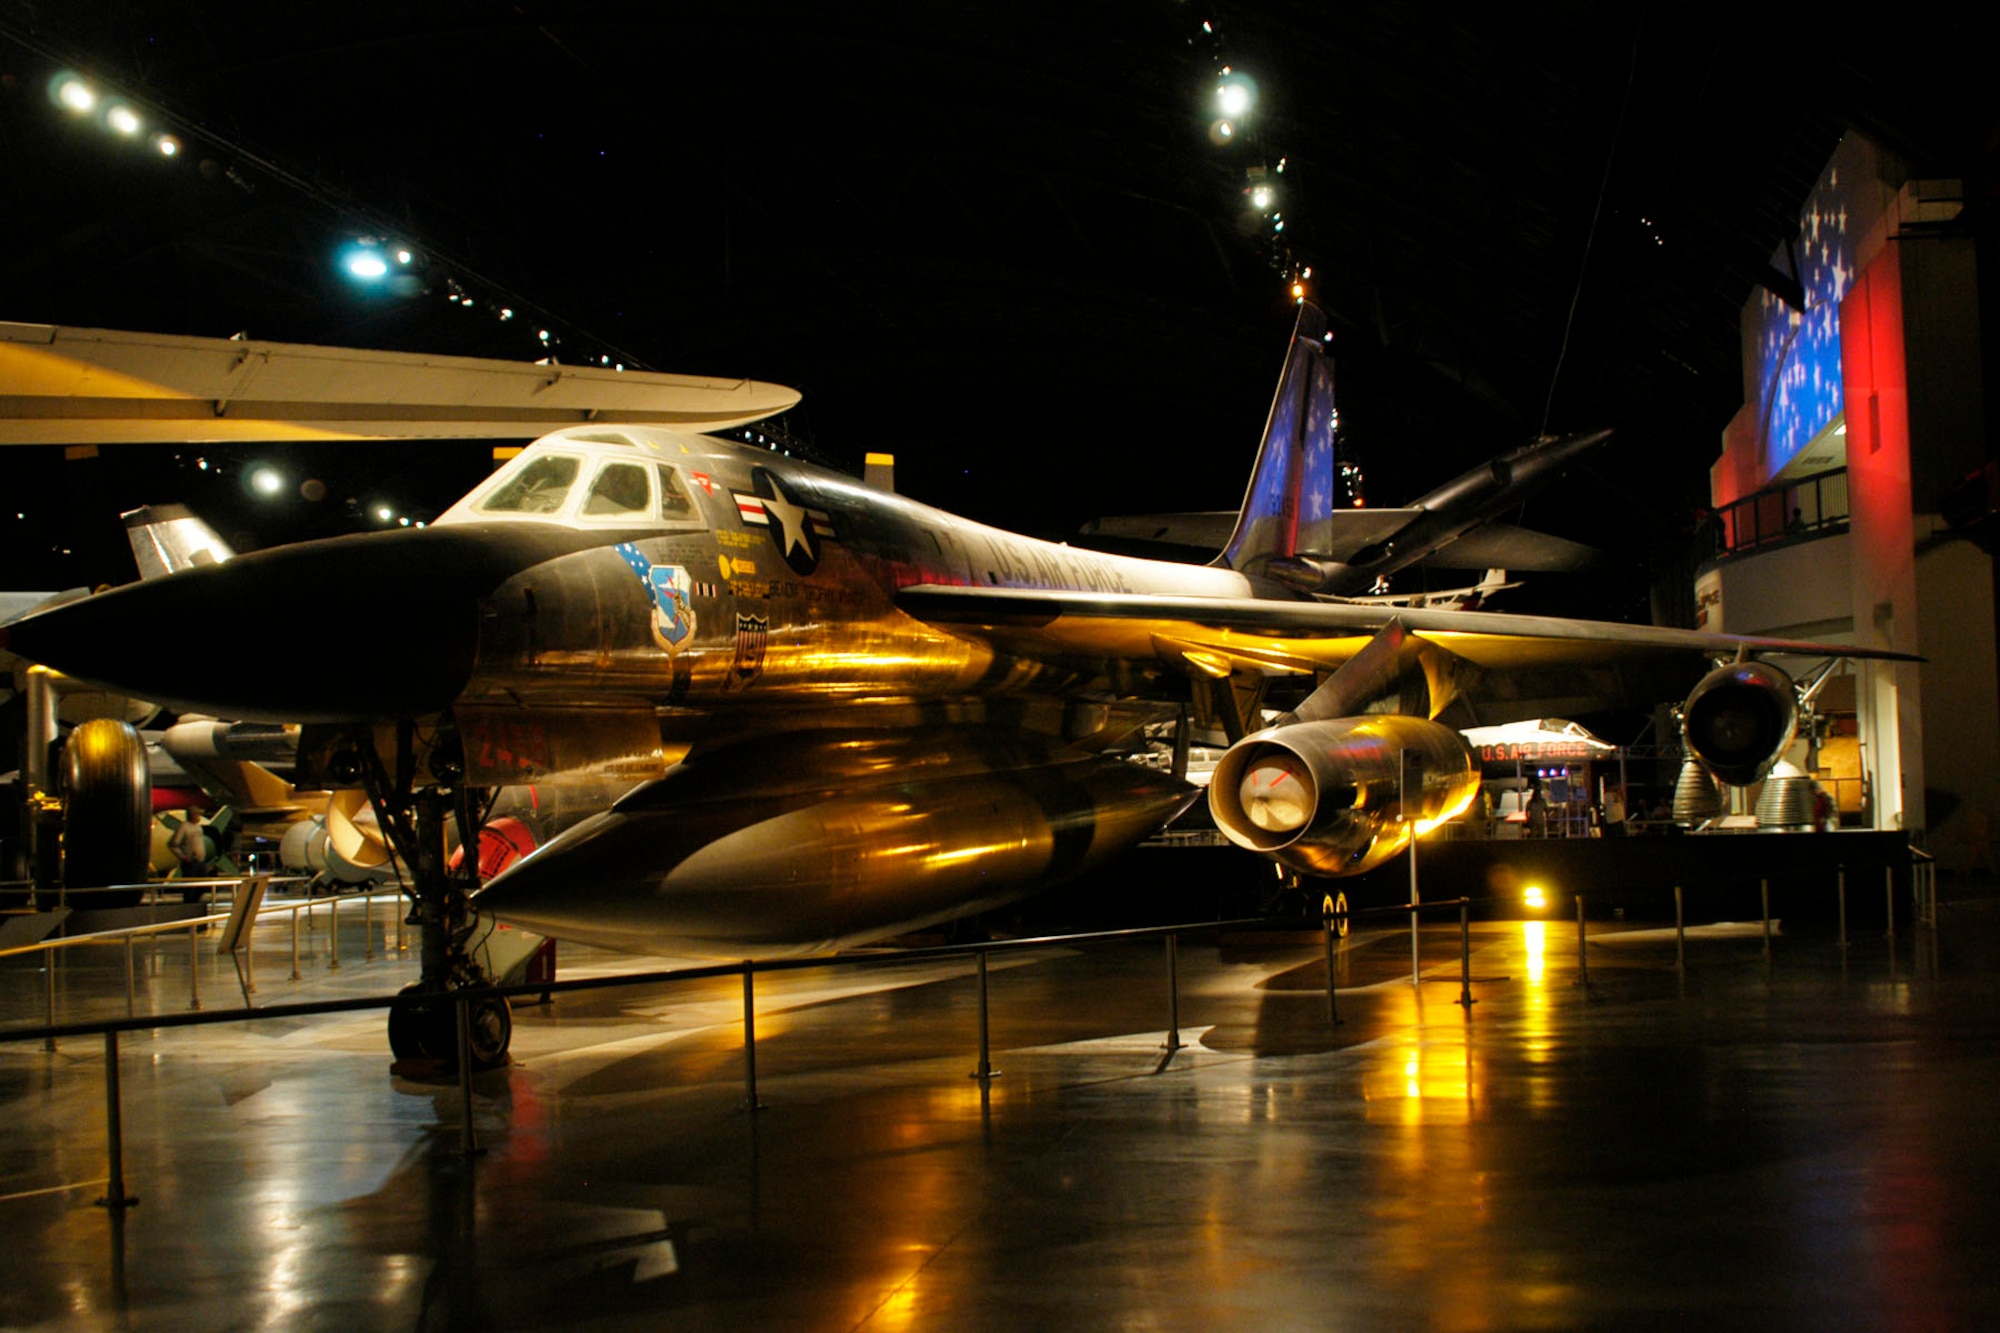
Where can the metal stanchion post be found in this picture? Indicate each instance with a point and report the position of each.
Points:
(115, 1197)
(468, 1144)
(1889, 900)
(985, 1070)
(1326, 929)
(1680, 934)
(1173, 993)
(750, 1036)
(1403, 811)
(333, 931)
(1841, 883)
(1465, 953)
(1416, 968)
(1765, 887)
(194, 971)
(1582, 967)
(295, 944)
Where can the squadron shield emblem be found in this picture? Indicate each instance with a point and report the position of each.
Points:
(753, 634)
(668, 588)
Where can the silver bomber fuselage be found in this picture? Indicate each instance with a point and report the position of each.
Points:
(774, 586)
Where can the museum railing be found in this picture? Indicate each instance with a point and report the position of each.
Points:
(1332, 924)
(1815, 506)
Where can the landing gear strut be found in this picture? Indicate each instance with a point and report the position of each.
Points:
(412, 811)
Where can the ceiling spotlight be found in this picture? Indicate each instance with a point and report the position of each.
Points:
(366, 265)
(123, 119)
(267, 481)
(384, 513)
(506, 312)
(72, 92)
(166, 145)
(1233, 97)
(1221, 132)
(404, 256)
(1261, 197)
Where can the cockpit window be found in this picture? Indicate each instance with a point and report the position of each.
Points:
(619, 488)
(539, 487)
(674, 502)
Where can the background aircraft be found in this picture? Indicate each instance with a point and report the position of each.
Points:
(849, 714)
(1454, 526)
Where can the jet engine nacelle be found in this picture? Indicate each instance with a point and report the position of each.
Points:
(817, 839)
(1739, 720)
(1327, 798)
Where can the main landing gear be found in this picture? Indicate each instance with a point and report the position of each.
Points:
(411, 805)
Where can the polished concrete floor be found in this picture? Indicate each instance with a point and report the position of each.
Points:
(1806, 1143)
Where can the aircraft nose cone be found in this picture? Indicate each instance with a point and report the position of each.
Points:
(353, 629)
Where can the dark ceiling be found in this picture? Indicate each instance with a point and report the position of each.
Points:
(997, 239)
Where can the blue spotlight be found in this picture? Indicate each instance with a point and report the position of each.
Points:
(364, 262)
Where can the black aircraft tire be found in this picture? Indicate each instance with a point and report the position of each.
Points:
(429, 1031)
(108, 808)
(492, 1023)
(415, 1032)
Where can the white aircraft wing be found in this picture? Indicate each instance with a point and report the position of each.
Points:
(103, 386)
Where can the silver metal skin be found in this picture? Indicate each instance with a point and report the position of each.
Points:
(805, 842)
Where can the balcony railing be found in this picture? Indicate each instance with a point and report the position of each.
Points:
(1809, 507)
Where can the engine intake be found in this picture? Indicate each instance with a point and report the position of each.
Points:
(1327, 798)
(1739, 720)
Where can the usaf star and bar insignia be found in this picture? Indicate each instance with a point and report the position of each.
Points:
(796, 530)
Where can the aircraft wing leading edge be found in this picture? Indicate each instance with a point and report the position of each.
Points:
(62, 385)
(1323, 633)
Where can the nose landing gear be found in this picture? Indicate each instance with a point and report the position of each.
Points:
(411, 807)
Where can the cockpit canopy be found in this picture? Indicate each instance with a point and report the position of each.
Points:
(585, 478)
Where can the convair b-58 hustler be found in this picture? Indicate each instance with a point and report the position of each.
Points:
(846, 714)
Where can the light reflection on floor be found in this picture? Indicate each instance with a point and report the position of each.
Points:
(1721, 1148)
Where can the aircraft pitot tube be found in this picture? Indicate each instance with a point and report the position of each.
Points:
(822, 838)
(1329, 797)
(1739, 720)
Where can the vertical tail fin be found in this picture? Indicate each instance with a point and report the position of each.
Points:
(167, 539)
(1288, 507)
